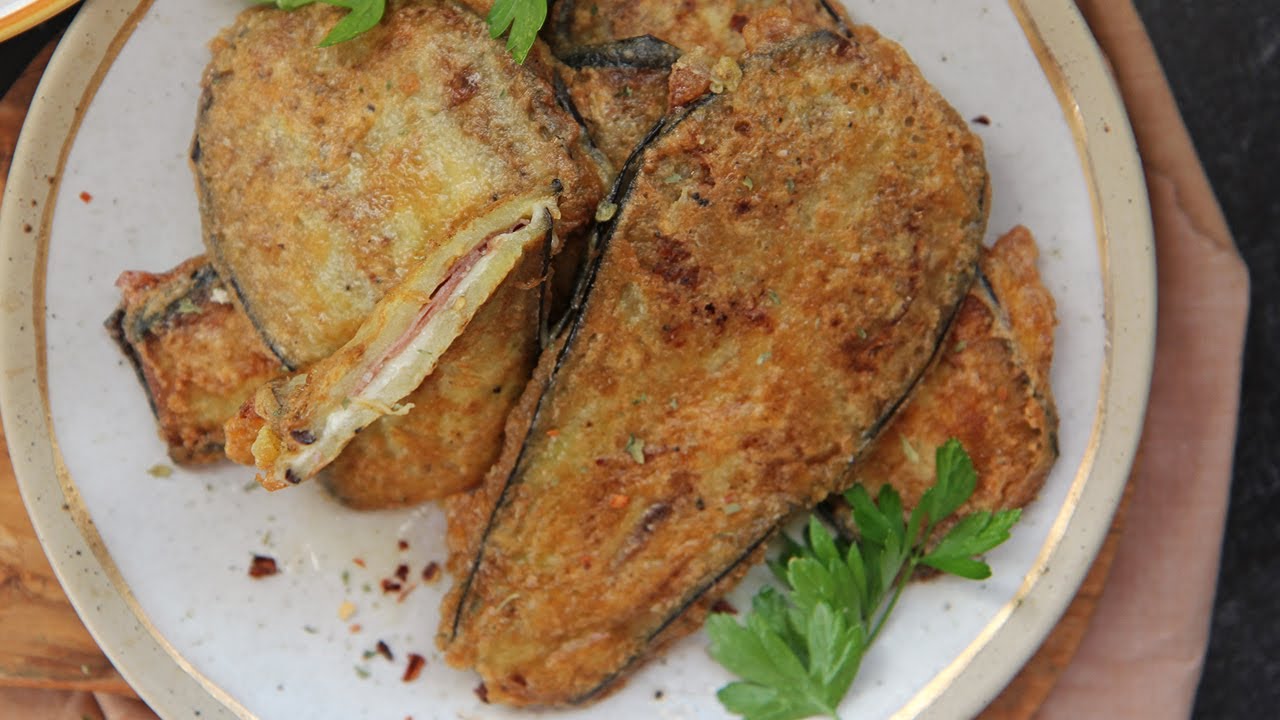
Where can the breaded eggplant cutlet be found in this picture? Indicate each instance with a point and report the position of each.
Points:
(199, 358)
(326, 174)
(196, 353)
(365, 200)
(988, 388)
(620, 53)
(719, 374)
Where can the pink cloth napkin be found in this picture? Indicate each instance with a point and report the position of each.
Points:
(1143, 653)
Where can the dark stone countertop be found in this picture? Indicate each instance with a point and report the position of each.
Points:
(1223, 61)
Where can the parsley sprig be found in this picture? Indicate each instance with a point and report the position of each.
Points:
(362, 16)
(524, 18)
(801, 647)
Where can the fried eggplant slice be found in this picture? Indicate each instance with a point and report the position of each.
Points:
(714, 26)
(780, 270)
(306, 420)
(989, 388)
(326, 174)
(620, 92)
(453, 434)
(620, 55)
(197, 355)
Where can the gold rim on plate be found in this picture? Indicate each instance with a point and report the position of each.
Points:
(1073, 66)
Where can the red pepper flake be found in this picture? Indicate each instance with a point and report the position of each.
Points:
(482, 692)
(263, 566)
(416, 663)
(357, 627)
(553, 433)
(617, 502)
(431, 572)
(385, 651)
(85, 197)
(586, 561)
(403, 545)
(406, 592)
(389, 586)
(402, 573)
(358, 561)
(723, 606)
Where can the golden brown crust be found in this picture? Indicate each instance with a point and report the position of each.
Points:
(722, 373)
(196, 353)
(988, 388)
(619, 105)
(326, 173)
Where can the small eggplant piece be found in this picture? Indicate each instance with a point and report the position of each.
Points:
(713, 26)
(326, 174)
(197, 355)
(620, 54)
(988, 387)
(781, 268)
(299, 425)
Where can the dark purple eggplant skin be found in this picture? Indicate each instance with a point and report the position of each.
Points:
(644, 52)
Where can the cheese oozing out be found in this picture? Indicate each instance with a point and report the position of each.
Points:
(310, 418)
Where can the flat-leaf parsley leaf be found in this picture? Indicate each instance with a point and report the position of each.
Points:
(801, 647)
(522, 18)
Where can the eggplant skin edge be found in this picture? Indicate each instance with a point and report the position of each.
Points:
(526, 418)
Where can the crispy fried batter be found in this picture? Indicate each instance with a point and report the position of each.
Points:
(721, 373)
(196, 354)
(325, 174)
(989, 388)
(618, 104)
(621, 53)
(714, 26)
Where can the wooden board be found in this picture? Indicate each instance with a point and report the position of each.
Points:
(44, 644)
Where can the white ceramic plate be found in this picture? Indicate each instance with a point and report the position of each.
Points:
(157, 567)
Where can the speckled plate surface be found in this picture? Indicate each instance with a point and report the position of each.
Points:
(157, 566)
